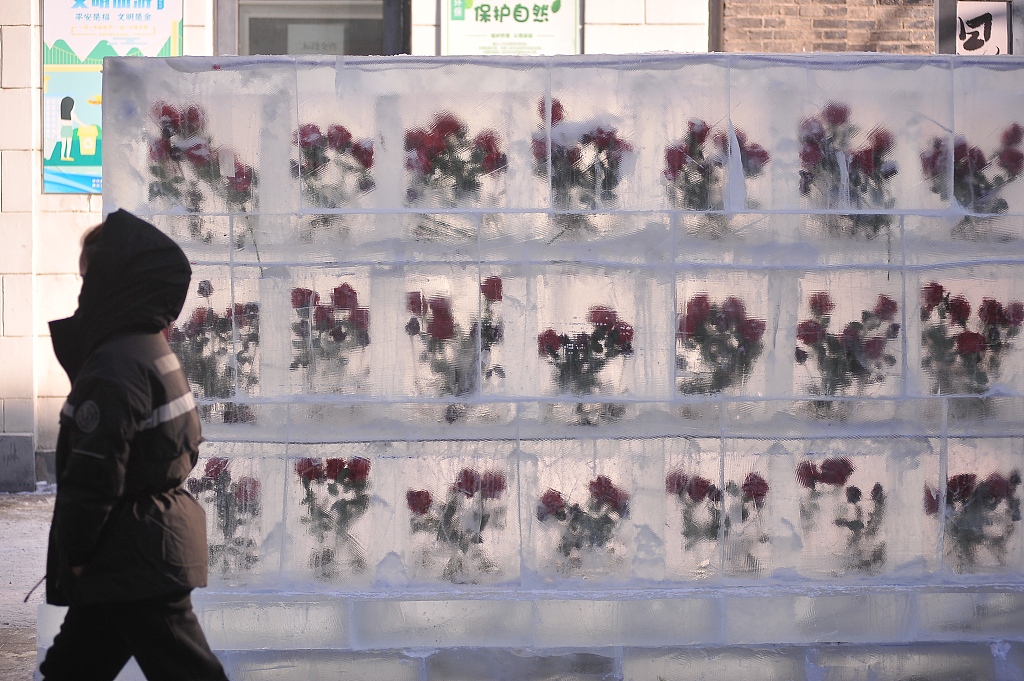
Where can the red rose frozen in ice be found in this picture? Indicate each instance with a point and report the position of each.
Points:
(241, 181)
(755, 488)
(1013, 135)
(304, 297)
(698, 130)
(441, 327)
(551, 503)
(810, 155)
(491, 288)
(199, 154)
(309, 136)
(360, 318)
(676, 482)
(698, 488)
(751, 330)
(976, 159)
(492, 484)
(197, 321)
(756, 159)
(881, 140)
(447, 123)
(1015, 314)
(835, 471)
(416, 303)
(467, 482)
(160, 149)
(885, 308)
(623, 333)
(334, 468)
(961, 487)
(811, 130)
(323, 317)
(309, 470)
(675, 159)
(931, 501)
(734, 310)
(166, 116)
(338, 137)
(821, 303)
(931, 295)
(193, 119)
(835, 113)
(991, 312)
(214, 467)
(363, 153)
(997, 487)
(358, 469)
(604, 491)
(807, 474)
(697, 310)
(602, 316)
(959, 310)
(810, 332)
(247, 491)
(874, 347)
(548, 341)
(418, 501)
(969, 342)
(864, 159)
(344, 297)
(1011, 160)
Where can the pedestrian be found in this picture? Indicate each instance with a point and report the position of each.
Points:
(128, 543)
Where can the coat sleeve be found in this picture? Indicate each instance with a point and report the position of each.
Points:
(101, 428)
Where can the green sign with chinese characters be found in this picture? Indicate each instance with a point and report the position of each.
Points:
(510, 27)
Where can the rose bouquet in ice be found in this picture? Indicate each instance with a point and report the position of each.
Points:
(458, 359)
(585, 528)
(865, 546)
(835, 174)
(717, 344)
(704, 513)
(958, 359)
(584, 164)
(694, 171)
(218, 352)
(235, 505)
(335, 496)
(188, 168)
(325, 336)
(471, 505)
(332, 167)
(980, 517)
(854, 358)
(977, 184)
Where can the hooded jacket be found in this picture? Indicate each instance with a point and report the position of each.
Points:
(129, 431)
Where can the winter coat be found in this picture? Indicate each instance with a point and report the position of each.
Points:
(129, 431)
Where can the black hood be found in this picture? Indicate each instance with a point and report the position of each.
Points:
(136, 282)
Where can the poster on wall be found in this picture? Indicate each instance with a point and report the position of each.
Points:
(983, 28)
(495, 27)
(77, 35)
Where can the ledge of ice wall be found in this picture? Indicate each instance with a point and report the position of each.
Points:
(641, 367)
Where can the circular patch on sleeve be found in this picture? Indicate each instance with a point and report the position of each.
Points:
(87, 416)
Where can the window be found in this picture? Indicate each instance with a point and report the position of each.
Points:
(290, 27)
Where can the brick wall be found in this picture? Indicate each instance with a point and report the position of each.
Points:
(894, 26)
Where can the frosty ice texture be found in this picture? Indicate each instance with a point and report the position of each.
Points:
(613, 355)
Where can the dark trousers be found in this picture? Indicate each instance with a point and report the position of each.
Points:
(163, 634)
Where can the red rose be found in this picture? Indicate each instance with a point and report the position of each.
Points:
(698, 488)
(931, 295)
(492, 162)
(197, 322)
(623, 333)
(551, 503)
(557, 112)
(492, 484)
(441, 307)
(491, 288)
(241, 181)
(1015, 314)
(676, 482)
(601, 316)
(835, 113)
(881, 140)
(310, 470)
(214, 467)
(338, 137)
(360, 318)
(969, 342)
(247, 491)
(193, 119)
(160, 149)
(960, 149)
(835, 471)
(810, 155)
(416, 303)
(539, 147)
(976, 159)
(441, 327)
(323, 318)
(933, 162)
(418, 501)
(721, 141)
(1011, 160)
(959, 310)
(467, 482)
(344, 297)
(850, 337)
(334, 468)
(446, 123)
(991, 312)
(304, 297)
(548, 341)
(697, 309)
(961, 487)
(885, 308)
(675, 158)
(931, 501)
(358, 469)
(807, 474)
(864, 159)
(415, 139)
(698, 130)
(604, 491)
(810, 332)
(309, 136)
(751, 330)
(166, 116)
(487, 142)
(811, 130)
(997, 487)
(734, 310)
(874, 347)
(363, 153)
(821, 303)
(756, 158)
(200, 154)
(1013, 135)
(755, 488)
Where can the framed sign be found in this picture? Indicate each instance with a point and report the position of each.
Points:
(496, 27)
(77, 35)
(983, 28)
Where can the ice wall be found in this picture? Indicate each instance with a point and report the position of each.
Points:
(639, 367)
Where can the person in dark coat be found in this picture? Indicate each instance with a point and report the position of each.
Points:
(127, 544)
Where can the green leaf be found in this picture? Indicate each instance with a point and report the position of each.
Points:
(468, 4)
(555, 6)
